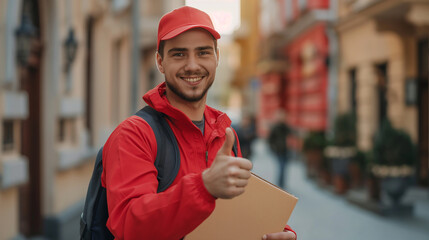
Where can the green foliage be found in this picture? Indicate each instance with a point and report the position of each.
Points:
(345, 130)
(361, 158)
(314, 141)
(393, 147)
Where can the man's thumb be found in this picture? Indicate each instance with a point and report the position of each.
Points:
(229, 142)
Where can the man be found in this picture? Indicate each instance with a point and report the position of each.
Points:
(246, 134)
(277, 143)
(187, 56)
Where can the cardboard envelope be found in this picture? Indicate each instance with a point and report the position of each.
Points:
(262, 208)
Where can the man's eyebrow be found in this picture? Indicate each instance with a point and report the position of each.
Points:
(178, 50)
(185, 49)
(205, 48)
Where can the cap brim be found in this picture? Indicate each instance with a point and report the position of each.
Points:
(180, 30)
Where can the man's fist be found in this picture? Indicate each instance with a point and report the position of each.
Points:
(228, 175)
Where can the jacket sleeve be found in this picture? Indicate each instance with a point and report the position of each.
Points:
(136, 210)
(288, 228)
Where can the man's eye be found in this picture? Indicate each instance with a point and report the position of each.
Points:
(202, 53)
(178, 54)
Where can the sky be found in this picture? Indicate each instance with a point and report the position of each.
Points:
(225, 14)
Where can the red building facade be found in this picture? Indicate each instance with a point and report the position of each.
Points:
(307, 79)
(301, 86)
(272, 98)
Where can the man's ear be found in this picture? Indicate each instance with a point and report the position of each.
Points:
(217, 56)
(158, 60)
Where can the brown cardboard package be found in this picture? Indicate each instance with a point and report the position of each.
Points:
(262, 208)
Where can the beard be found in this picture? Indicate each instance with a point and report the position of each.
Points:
(183, 96)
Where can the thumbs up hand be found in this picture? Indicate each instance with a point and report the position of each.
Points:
(228, 175)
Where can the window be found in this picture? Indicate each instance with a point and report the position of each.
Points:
(66, 131)
(120, 5)
(8, 135)
(289, 10)
(11, 136)
(353, 100)
(302, 4)
(61, 130)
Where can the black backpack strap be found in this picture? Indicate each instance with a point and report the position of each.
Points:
(234, 147)
(167, 160)
(95, 209)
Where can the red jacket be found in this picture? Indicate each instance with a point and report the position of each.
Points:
(136, 210)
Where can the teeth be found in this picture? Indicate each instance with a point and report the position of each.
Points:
(193, 79)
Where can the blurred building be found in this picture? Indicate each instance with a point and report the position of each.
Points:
(297, 61)
(247, 48)
(320, 58)
(383, 68)
(70, 71)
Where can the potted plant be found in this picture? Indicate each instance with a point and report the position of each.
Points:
(357, 168)
(393, 159)
(341, 150)
(371, 181)
(313, 146)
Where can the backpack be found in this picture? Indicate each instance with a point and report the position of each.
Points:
(94, 216)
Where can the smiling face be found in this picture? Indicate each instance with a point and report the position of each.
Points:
(189, 64)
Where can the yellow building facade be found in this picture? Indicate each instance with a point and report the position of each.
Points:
(383, 69)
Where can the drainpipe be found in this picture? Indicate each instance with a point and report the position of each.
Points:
(135, 55)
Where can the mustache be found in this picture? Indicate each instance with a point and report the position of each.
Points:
(192, 73)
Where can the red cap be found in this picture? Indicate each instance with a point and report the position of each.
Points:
(181, 20)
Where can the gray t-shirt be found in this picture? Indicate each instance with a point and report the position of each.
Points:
(200, 124)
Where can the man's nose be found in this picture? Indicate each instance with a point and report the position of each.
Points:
(192, 63)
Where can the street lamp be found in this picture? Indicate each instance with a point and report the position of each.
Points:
(70, 48)
(25, 36)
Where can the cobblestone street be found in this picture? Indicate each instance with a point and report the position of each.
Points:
(321, 214)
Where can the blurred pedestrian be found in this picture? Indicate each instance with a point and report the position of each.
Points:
(246, 132)
(188, 56)
(277, 143)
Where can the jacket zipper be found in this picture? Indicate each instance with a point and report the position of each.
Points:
(207, 158)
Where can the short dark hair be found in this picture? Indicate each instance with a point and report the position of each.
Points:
(162, 44)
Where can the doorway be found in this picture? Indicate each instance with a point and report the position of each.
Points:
(382, 83)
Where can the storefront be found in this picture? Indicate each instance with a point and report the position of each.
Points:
(307, 79)
(306, 31)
